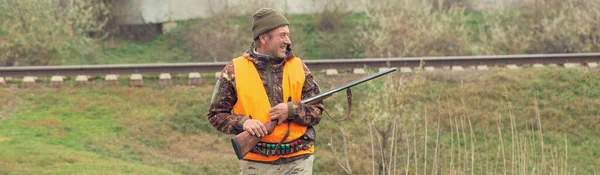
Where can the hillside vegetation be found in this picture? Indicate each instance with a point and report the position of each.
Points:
(82, 32)
(533, 121)
(528, 121)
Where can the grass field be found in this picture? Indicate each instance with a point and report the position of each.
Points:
(529, 121)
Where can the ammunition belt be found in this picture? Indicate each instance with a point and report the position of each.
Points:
(268, 149)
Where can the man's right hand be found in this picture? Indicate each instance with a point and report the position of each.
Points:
(255, 128)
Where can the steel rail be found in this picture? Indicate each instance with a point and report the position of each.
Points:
(312, 64)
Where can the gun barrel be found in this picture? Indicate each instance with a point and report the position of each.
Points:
(324, 95)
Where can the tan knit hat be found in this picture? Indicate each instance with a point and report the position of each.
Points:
(265, 20)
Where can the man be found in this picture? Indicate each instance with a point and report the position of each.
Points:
(267, 83)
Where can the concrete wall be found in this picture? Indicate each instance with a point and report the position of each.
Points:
(160, 11)
(483, 5)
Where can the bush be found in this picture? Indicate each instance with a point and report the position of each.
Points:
(553, 27)
(218, 38)
(333, 34)
(331, 17)
(43, 32)
(569, 27)
(413, 29)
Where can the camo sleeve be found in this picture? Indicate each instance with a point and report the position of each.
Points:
(308, 115)
(222, 102)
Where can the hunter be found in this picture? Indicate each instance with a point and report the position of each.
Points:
(266, 83)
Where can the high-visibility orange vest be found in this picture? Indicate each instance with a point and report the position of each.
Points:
(253, 101)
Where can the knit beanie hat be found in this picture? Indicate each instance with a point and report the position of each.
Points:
(265, 20)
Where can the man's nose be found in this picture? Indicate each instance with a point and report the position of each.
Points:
(287, 40)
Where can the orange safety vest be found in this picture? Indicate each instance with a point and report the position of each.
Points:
(253, 101)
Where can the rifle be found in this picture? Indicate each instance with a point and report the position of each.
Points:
(244, 142)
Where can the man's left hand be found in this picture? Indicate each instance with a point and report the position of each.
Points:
(279, 112)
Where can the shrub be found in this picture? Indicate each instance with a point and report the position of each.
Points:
(334, 34)
(218, 38)
(413, 29)
(570, 26)
(330, 18)
(41, 32)
(552, 27)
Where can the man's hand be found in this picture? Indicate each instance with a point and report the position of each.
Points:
(255, 128)
(279, 112)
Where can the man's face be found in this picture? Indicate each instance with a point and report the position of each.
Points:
(277, 42)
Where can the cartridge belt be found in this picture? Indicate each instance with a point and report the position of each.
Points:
(306, 141)
(267, 149)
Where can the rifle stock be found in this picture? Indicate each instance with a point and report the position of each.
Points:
(244, 141)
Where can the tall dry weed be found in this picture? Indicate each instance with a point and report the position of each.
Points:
(547, 26)
(218, 38)
(389, 130)
(42, 32)
(405, 132)
(413, 28)
(330, 18)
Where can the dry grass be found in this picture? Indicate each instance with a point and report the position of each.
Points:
(547, 26)
(8, 103)
(49, 31)
(411, 28)
(223, 40)
(420, 28)
(486, 124)
(518, 122)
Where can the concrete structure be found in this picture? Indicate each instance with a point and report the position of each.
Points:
(592, 65)
(136, 80)
(110, 80)
(2, 81)
(405, 70)
(331, 72)
(572, 65)
(28, 82)
(538, 65)
(81, 80)
(512, 66)
(483, 67)
(382, 69)
(194, 79)
(164, 80)
(163, 11)
(458, 68)
(429, 68)
(56, 81)
(359, 71)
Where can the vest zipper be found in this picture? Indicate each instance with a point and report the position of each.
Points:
(269, 81)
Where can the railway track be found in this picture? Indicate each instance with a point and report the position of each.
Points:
(406, 64)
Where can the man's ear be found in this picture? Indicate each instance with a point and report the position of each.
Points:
(261, 39)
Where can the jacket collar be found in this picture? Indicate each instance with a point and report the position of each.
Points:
(261, 60)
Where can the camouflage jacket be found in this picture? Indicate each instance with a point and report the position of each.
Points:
(224, 96)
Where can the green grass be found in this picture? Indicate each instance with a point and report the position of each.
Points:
(160, 50)
(51, 134)
(164, 131)
(171, 48)
(106, 131)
